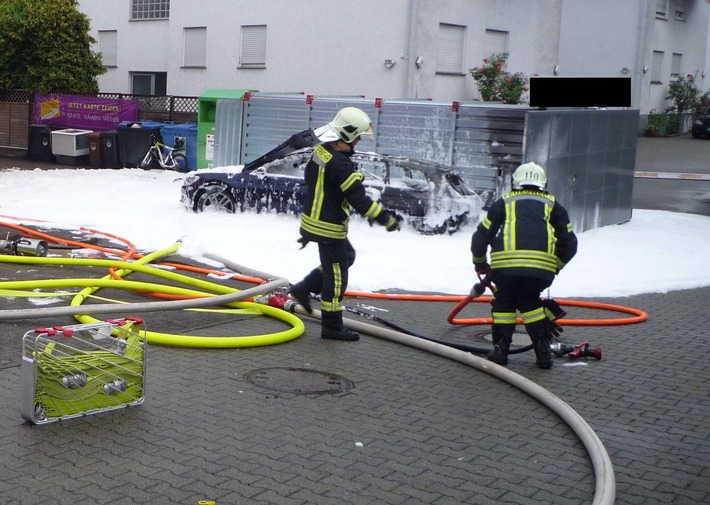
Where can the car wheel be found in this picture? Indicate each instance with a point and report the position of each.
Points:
(216, 198)
(695, 135)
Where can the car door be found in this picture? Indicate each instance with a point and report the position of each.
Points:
(279, 185)
(400, 188)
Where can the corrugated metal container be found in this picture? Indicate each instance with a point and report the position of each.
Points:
(589, 154)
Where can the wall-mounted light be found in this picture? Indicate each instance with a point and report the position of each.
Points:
(625, 70)
(419, 62)
(556, 69)
(703, 74)
(645, 69)
(390, 62)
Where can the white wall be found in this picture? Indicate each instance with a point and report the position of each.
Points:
(323, 47)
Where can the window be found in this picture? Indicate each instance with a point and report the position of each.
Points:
(662, 9)
(195, 47)
(150, 9)
(449, 52)
(676, 60)
(680, 10)
(495, 42)
(657, 67)
(149, 83)
(108, 47)
(253, 47)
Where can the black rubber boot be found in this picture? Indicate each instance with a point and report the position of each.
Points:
(540, 336)
(301, 294)
(332, 327)
(501, 345)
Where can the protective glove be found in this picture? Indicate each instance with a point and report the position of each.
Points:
(394, 223)
(482, 269)
(303, 241)
(553, 310)
(556, 329)
(478, 289)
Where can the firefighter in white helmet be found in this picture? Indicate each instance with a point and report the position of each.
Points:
(334, 186)
(530, 239)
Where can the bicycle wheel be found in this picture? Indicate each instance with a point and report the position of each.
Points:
(147, 160)
(180, 162)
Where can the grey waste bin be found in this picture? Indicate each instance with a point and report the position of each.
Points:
(134, 140)
(39, 147)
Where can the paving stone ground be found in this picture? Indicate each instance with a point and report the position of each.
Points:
(413, 428)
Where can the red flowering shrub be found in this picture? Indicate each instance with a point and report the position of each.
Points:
(497, 85)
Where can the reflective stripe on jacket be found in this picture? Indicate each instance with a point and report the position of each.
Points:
(333, 186)
(529, 233)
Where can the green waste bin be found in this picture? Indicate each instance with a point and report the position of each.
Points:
(207, 119)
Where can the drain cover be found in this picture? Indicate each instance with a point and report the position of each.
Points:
(520, 338)
(299, 381)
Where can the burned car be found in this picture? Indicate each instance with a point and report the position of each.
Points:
(432, 198)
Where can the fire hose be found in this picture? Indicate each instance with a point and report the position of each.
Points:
(193, 298)
(605, 487)
(605, 482)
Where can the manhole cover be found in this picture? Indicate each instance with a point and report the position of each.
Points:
(520, 338)
(299, 381)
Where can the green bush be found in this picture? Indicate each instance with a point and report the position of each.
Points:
(497, 85)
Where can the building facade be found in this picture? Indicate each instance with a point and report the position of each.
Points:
(398, 49)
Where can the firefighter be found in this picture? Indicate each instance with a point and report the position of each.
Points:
(531, 239)
(334, 186)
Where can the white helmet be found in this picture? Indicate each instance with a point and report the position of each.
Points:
(529, 174)
(350, 122)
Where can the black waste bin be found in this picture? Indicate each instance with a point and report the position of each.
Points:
(96, 153)
(40, 143)
(134, 140)
(110, 144)
(103, 149)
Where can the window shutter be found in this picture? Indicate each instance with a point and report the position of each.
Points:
(657, 70)
(661, 8)
(108, 47)
(676, 60)
(449, 54)
(253, 46)
(495, 42)
(195, 47)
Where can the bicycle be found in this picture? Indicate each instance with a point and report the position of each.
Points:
(169, 158)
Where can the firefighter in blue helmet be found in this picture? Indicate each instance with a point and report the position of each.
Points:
(334, 186)
(530, 239)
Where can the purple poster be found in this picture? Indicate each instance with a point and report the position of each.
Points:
(85, 112)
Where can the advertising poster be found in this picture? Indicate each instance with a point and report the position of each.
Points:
(84, 112)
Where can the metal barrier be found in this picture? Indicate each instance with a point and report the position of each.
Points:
(589, 154)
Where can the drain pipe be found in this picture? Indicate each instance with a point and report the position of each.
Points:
(605, 490)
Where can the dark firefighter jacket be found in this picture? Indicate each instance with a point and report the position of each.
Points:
(529, 233)
(333, 186)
